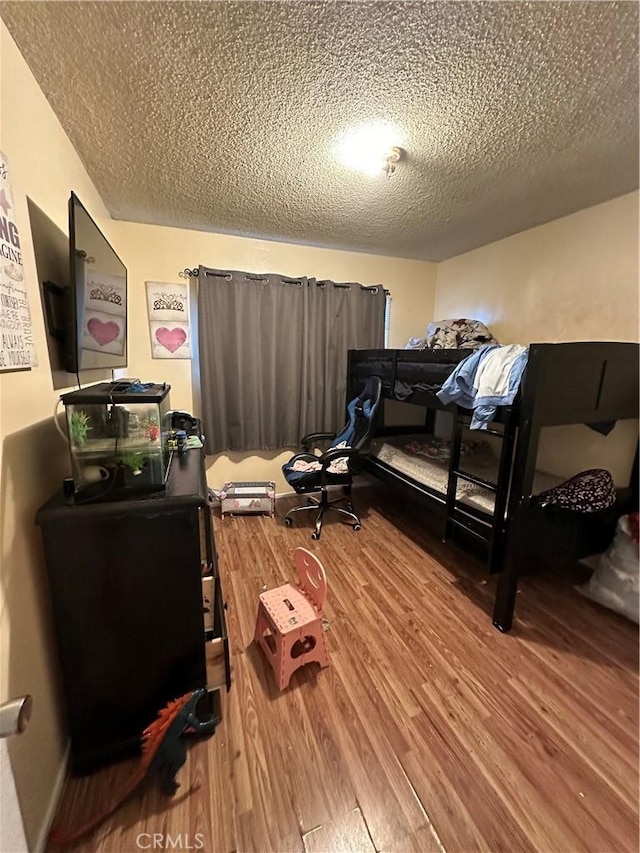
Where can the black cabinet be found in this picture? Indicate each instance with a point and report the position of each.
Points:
(126, 580)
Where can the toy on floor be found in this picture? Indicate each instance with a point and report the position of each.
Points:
(289, 622)
(163, 754)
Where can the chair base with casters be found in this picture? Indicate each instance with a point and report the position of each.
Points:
(324, 505)
(289, 621)
(307, 473)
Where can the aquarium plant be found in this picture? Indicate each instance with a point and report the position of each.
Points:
(134, 462)
(79, 427)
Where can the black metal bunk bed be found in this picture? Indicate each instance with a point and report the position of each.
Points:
(565, 383)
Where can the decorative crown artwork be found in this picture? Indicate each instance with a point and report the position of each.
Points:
(168, 302)
(106, 293)
(169, 324)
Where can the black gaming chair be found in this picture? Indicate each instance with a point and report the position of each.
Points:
(336, 467)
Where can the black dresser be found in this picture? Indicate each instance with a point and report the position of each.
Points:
(127, 580)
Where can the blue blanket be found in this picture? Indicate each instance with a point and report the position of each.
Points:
(461, 387)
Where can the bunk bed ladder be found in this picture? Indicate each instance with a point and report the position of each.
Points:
(502, 492)
(489, 532)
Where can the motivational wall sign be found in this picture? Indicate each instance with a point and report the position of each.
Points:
(17, 350)
(169, 325)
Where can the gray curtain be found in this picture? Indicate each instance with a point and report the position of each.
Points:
(344, 316)
(273, 355)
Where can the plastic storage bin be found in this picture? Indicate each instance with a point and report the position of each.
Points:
(248, 498)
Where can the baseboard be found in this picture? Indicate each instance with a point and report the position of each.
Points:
(285, 495)
(41, 843)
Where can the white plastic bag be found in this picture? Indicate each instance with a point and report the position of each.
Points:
(616, 581)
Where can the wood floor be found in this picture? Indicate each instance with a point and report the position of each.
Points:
(429, 731)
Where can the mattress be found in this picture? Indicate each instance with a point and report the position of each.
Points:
(435, 474)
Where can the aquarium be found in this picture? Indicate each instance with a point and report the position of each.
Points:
(118, 438)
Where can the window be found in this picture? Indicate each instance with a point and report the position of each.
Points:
(387, 318)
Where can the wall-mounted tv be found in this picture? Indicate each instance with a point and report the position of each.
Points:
(96, 322)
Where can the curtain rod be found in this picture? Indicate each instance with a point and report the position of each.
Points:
(194, 272)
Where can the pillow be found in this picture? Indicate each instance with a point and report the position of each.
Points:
(439, 449)
(614, 583)
(461, 333)
(416, 343)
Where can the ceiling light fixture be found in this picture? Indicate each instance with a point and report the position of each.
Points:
(370, 149)
(393, 158)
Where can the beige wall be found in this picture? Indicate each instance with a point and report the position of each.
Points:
(573, 279)
(33, 457)
(152, 253)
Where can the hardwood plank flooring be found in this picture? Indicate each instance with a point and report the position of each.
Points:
(430, 731)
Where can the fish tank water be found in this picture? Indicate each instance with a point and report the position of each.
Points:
(118, 438)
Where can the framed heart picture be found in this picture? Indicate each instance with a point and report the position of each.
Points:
(169, 322)
(103, 332)
(104, 318)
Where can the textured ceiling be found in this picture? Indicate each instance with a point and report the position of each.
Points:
(224, 116)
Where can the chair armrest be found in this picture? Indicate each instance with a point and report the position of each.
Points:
(337, 453)
(306, 440)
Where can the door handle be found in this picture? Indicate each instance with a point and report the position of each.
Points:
(15, 715)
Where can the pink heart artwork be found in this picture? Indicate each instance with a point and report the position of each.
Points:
(101, 332)
(171, 339)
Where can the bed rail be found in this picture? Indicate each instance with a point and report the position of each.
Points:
(423, 371)
(586, 382)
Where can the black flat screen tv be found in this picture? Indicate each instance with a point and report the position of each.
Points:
(96, 332)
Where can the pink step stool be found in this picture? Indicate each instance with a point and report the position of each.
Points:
(289, 621)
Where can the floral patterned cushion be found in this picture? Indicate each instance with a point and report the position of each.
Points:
(589, 491)
(462, 333)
